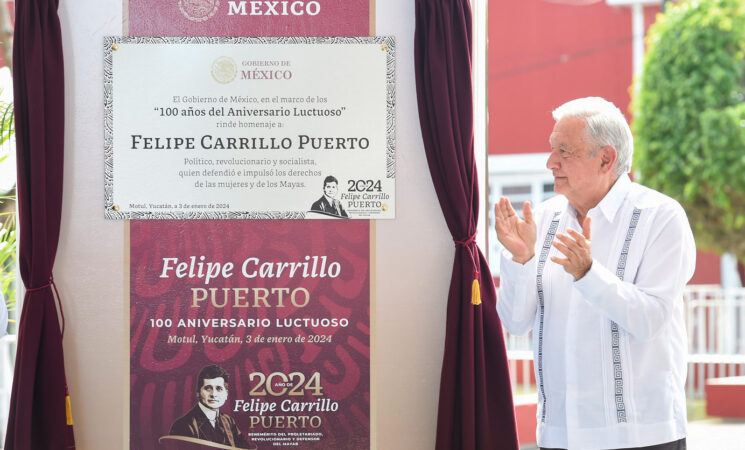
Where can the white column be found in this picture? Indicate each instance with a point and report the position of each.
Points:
(480, 111)
(637, 32)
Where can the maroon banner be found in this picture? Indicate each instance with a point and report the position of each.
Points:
(249, 334)
(309, 353)
(248, 18)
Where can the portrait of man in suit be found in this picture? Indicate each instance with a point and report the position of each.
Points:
(205, 421)
(328, 204)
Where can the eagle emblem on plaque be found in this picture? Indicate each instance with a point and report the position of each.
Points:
(224, 70)
(198, 10)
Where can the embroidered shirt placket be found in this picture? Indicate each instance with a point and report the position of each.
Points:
(539, 284)
(615, 332)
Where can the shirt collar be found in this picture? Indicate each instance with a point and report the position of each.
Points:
(612, 201)
(211, 414)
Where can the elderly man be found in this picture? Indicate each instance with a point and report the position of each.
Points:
(609, 338)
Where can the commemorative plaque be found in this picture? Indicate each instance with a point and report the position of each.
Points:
(236, 128)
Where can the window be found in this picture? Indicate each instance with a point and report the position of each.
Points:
(8, 222)
(520, 178)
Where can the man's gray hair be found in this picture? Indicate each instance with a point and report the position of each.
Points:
(606, 125)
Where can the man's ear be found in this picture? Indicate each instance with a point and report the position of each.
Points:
(608, 157)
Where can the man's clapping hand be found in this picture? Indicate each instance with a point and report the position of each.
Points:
(515, 234)
(576, 248)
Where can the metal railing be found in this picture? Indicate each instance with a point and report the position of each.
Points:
(715, 324)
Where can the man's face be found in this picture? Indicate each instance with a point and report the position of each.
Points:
(576, 174)
(213, 393)
(330, 189)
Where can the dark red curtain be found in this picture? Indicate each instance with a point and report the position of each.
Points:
(38, 414)
(475, 409)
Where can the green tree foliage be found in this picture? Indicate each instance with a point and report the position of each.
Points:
(8, 230)
(689, 117)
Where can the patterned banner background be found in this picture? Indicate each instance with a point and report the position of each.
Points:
(249, 18)
(164, 297)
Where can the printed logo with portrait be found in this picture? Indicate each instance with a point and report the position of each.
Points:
(224, 70)
(198, 10)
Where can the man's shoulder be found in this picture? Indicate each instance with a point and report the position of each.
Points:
(645, 198)
(190, 413)
(661, 210)
(183, 426)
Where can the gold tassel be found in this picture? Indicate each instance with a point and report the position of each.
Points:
(475, 292)
(68, 409)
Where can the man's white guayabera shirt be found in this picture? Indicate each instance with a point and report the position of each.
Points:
(609, 349)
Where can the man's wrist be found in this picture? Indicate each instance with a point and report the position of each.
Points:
(522, 259)
(582, 274)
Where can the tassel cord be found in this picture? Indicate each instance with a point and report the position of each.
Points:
(53, 285)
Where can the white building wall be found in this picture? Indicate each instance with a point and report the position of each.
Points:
(412, 268)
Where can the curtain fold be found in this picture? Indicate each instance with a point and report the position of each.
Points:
(39, 413)
(475, 406)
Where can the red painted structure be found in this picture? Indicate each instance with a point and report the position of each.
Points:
(725, 397)
(525, 415)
